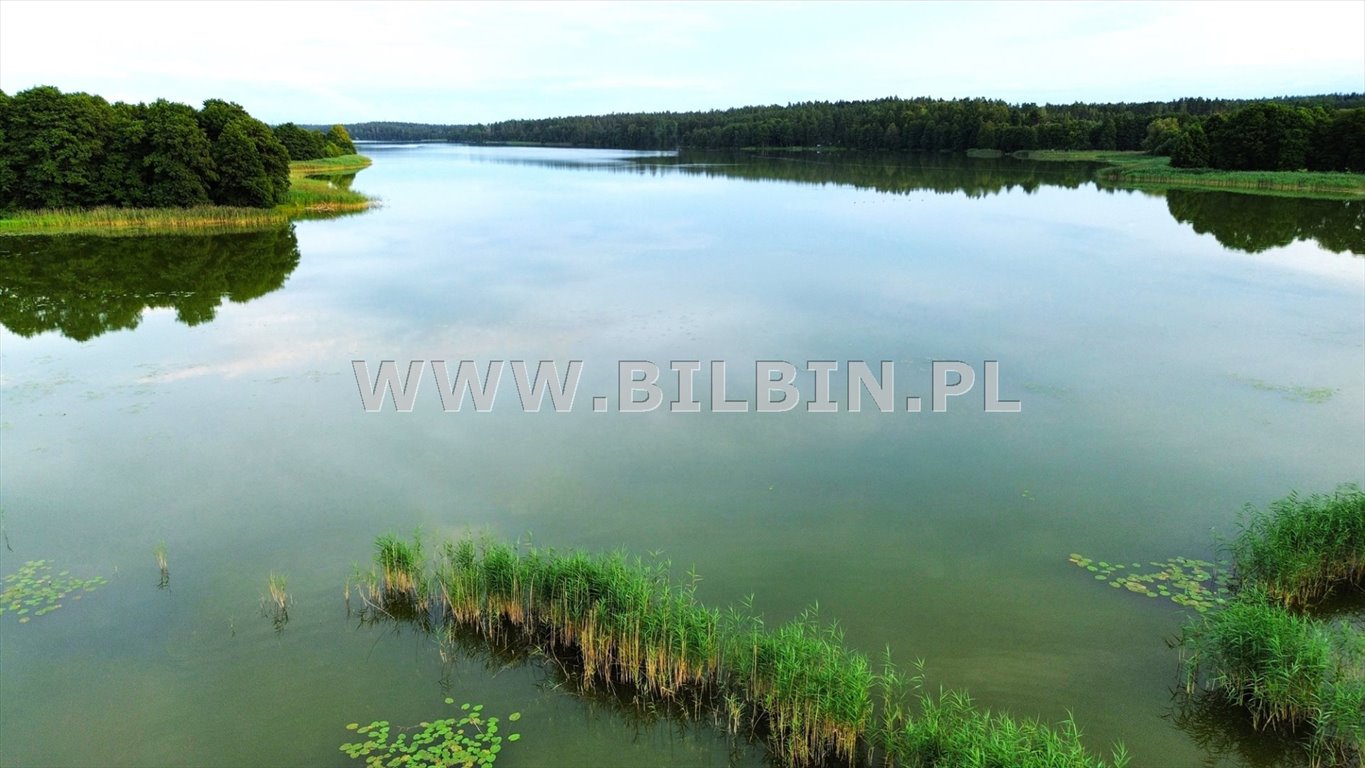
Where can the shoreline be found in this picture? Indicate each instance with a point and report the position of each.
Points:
(312, 194)
(1139, 170)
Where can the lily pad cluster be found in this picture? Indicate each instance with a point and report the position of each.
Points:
(1197, 584)
(35, 590)
(471, 740)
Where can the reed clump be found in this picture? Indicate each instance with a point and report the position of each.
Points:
(159, 552)
(1263, 653)
(626, 623)
(1301, 548)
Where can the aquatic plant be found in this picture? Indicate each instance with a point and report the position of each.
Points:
(472, 739)
(279, 597)
(1301, 548)
(1260, 653)
(34, 589)
(1197, 584)
(626, 624)
(159, 552)
(1285, 669)
(275, 603)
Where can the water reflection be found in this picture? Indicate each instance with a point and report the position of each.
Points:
(1255, 223)
(83, 287)
(1244, 222)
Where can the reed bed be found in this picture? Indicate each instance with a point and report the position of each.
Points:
(626, 623)
(1300, 549)
(1262, 653)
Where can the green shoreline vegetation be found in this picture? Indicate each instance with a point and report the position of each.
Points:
(1142, 170)
(1265, 652)
(317, 188)
(1258, 650)
(627, 625)
(73, 163)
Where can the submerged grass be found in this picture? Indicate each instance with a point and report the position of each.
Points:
(310, 194)
(625, 622)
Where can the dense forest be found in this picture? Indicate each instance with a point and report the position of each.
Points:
(75, 150)
(1319, 132)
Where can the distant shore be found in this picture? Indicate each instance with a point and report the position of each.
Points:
(1139, 170)
(313, 192)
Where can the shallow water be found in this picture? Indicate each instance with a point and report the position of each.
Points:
(1176, 356)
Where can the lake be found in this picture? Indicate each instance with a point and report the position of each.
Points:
(1176, 356)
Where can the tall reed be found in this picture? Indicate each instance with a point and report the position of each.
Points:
(1301, 548)
(625, 622)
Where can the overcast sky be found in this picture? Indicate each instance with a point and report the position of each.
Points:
(466, 62)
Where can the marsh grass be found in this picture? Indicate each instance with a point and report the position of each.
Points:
(1286, 670)
(1261, 653)
(1141, 170)
(627, 625)
(275, 603)
(159, 552)
(1301, 548)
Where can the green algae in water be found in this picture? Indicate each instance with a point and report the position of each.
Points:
(34, 589)
(1293, 392)
(472, 739)
(1197, 584)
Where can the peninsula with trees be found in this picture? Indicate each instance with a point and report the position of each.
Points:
(75, 163)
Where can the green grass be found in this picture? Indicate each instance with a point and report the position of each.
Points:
(1287, 669)
(1301, 548)
(313, 192)
(1141, 170)
(627, 624)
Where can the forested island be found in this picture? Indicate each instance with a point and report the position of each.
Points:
(76, 162)
(1318, 134)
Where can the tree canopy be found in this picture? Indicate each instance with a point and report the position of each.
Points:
(75, 150)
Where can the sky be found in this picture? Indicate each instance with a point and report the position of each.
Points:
(445, 62)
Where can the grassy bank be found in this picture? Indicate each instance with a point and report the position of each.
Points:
(1140, 170)
(314, 190)
(1285, 668)
(626, 625)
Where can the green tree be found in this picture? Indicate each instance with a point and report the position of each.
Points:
(178, 167)
(242, 178)
(1190, 148)
(301, 143)
(337, 135)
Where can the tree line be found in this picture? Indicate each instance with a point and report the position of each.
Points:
(920, 124)
(1265, 137)
(75, 150)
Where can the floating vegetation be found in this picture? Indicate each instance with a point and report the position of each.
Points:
(470, 740)
(34, 590)
(159, 552)
(1294, 392)
(628, 626)
(1197, 584)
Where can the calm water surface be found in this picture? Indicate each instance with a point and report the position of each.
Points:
(1176, 355)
